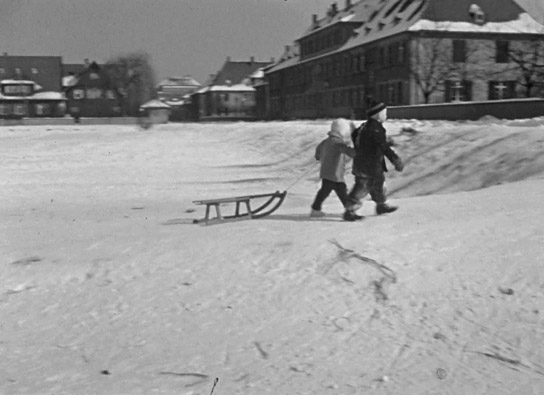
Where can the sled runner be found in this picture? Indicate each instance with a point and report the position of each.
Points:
(269, 206)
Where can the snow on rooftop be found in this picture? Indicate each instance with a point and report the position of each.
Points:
(233, 88)
(524, 24)
(48, 96)
(19, 82)
(154, 104)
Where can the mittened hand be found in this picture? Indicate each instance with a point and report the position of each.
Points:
(399, 166)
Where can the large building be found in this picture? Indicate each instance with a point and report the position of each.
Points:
(407, 52)
(45, 71)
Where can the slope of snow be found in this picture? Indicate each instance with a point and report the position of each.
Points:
(106, 286)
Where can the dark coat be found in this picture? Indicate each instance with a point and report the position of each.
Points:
(371, 148)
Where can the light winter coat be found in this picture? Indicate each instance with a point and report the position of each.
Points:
(334, 152)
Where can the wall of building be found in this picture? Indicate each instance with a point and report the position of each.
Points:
(44, 70)
(502, 109)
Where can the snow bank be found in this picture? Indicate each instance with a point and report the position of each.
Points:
(107, 287)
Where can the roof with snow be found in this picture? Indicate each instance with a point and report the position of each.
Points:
(186, 81)
(155, 104)
(234, 72)
(372, 20)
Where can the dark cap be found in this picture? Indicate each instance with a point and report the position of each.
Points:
(375, 107)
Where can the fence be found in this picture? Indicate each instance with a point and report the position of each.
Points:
(502, 109)
(69, 121)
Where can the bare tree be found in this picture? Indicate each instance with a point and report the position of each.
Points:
(528, 59)
(134, 77)
(432, 64)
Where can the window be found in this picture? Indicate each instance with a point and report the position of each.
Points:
(401, 54)
(4, 109)
(458, 90)
(94, 76)
(459, 51)
(42, 109)
(110, 94)
(499, 90)
(2, 71)
(94, 93)
(79, 94)
(19, 109)
(501, 51)
(34, 70)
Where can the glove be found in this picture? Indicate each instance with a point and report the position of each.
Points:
(399, 166)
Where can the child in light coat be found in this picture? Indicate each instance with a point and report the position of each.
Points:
(334, 153)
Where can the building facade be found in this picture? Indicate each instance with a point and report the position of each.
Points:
(230, 94)
(406, 52)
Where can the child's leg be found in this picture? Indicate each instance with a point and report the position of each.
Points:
(323, 193)
(342, 192)
(358, 192)
(377, 193)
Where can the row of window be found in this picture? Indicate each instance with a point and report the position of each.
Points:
(17, 70)
(10, 109)
(17, 89)
(92, 93)
(502, 50)
(346, 64)
(322, 42)
(393, 93)
(40, 109)
(352, 97)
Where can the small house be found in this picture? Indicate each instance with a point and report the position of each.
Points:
(156, 111)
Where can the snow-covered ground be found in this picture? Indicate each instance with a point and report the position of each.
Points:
(107, 287)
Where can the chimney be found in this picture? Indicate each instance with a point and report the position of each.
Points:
(228, 58)
(348, 4)
(314, 19)
(334, 9)
(272, 60)
(287, 48)
(252, 59)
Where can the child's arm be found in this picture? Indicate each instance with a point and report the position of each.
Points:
(317, 155)
(346, 149)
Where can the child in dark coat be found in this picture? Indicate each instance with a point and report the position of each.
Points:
(334, 153)
(371, 149)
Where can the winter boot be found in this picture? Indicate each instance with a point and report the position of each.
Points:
(384, 208)
(351, 216)
(316, 214)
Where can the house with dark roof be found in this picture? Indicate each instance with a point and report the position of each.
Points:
(93, 94)
(230, 93)
(406, 52)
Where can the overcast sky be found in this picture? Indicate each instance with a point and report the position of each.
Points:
(182, 36)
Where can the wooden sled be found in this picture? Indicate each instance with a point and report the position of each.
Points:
(268, 207)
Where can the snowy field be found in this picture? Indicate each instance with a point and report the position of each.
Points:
(107, 287)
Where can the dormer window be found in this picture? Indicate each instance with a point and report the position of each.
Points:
(477, 14)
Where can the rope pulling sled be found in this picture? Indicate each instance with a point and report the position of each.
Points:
(274, 201)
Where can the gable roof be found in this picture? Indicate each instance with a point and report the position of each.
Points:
(235, 72)
(373, 20)
(186, 81)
